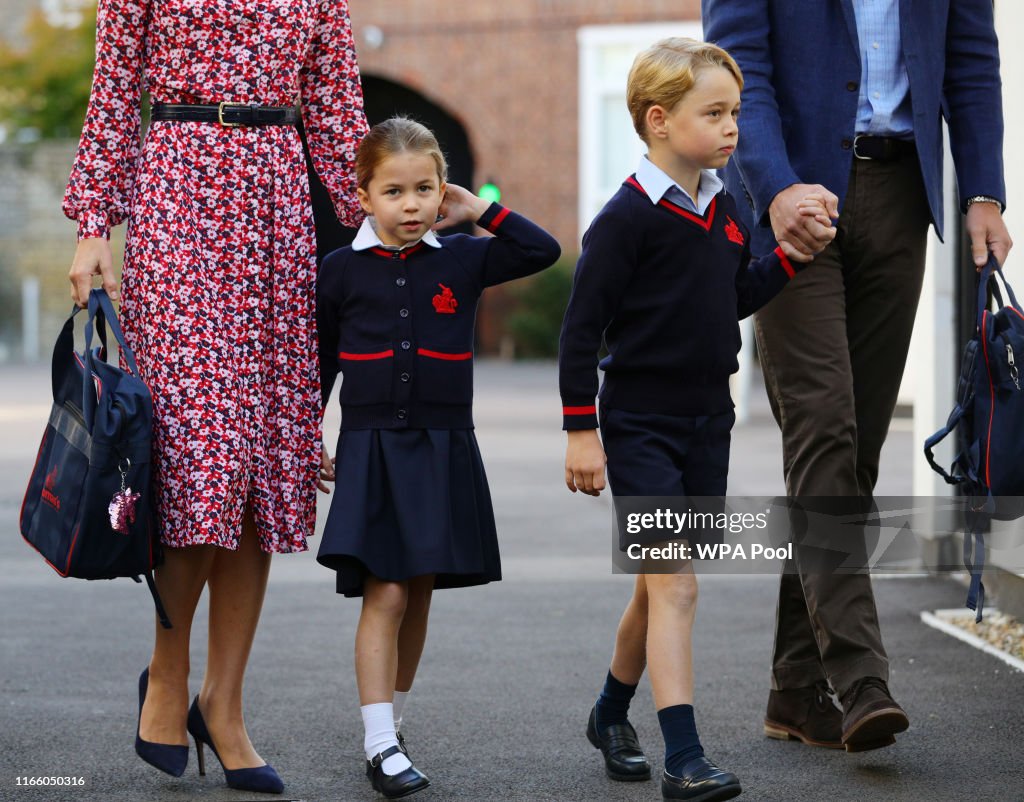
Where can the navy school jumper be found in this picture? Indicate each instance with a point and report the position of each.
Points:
(664, 289)
(399, 324)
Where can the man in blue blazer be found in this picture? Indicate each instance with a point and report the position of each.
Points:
(847, 97)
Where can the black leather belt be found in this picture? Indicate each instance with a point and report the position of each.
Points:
(230, 115)
(882, 148)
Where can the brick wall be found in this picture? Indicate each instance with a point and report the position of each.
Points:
(508, 72)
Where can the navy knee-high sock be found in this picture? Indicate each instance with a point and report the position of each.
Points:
(613, 703)
(682, 744)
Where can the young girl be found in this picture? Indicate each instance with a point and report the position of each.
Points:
(412, 511)
(665, 272)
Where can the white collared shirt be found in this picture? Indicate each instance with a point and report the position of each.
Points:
(367, 237)
(658, 184)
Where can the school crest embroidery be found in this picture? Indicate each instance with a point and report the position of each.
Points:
(445, 302)
(732, 231)
(48, 495)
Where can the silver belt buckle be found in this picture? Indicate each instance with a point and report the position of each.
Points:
(856, 155)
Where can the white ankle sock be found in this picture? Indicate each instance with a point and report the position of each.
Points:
(379, 728)
(400, 699)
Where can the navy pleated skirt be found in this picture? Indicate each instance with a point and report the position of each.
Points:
(407, 503)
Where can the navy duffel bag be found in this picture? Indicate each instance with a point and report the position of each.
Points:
(88, 509)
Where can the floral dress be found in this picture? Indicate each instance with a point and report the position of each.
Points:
(218, 296)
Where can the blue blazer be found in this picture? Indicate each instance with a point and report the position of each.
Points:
(802, 69)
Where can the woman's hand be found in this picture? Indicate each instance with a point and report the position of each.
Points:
(326, 470)
(459, 206)
(92, 258)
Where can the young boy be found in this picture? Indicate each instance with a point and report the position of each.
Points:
(663, 278)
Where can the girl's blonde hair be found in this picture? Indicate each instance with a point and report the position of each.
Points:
(396, 135)
(663, 73)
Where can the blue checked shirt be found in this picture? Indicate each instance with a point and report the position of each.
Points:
(884, 103)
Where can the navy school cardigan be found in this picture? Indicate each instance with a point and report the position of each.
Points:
(664, 289)
(399, 324)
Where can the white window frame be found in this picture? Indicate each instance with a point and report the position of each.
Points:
(593, 91)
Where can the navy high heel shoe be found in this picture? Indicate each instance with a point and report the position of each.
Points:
(169, 758)
(262, 779)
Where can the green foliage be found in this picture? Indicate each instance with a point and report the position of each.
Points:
(539, 306)
(45, 81)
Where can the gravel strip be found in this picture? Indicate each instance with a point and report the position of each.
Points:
(1002, 631)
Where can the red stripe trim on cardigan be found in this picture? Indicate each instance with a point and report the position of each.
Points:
(402, 254)
(591, 410)
(498, 218)
(441, 355)
(784, 261)
(364, 357)
(703, 222)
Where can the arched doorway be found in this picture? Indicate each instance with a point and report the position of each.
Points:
(383, 99)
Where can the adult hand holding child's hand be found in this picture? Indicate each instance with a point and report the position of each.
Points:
(802, 235)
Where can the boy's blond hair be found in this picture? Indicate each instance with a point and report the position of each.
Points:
(396, 135)
(663, 73)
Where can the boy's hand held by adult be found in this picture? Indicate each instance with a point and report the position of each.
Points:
(812, 208)
(799, 235)
(988, 232)
(92, 258)
(584, 462)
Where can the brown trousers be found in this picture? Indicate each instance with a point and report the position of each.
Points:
(833, 346)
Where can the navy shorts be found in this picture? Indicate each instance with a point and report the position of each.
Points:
(666, 455)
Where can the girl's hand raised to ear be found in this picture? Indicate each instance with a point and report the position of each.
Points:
(459, 206)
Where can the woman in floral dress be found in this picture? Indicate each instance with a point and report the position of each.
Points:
(218, 305)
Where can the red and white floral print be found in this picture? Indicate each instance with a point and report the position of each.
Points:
(219, 271)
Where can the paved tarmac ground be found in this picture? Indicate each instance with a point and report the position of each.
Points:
(510, 670)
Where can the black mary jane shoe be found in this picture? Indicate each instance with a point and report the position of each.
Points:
(402, 748)
(702, 781)
(624, 760)
(394, 786)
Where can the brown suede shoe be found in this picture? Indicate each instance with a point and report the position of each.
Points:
(804, 714)
(871, 718)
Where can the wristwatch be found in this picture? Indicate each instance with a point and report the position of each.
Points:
(985, 199)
